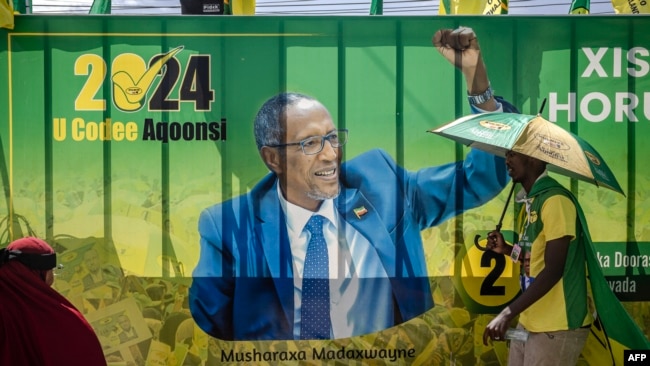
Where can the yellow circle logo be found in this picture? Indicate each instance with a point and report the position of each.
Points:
(488, 278)
(494, 125)
(593, 158)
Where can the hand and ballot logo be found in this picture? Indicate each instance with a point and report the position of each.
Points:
(132, 79)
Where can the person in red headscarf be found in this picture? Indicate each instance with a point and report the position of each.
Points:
(38, 326)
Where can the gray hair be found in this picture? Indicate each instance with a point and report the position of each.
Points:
(268, 125)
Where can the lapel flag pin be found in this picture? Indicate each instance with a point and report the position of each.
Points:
(360, 211)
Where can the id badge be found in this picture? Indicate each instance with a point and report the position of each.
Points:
(516, 251)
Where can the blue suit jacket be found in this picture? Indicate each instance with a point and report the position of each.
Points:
(243, 284)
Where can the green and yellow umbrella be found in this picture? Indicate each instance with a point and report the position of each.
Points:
(532, 135)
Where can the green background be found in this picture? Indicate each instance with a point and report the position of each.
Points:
(380, 77)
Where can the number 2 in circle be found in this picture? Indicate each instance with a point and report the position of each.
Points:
(487, 287)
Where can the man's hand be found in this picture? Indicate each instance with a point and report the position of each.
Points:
(497, 243)
(496, 329)
(461, 48)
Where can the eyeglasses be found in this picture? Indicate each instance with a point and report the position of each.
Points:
(313, 145)
(58, 270)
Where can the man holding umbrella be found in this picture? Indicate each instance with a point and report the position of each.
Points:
(555, 307)
(568, 288)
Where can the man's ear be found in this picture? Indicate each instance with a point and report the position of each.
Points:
(271, 158)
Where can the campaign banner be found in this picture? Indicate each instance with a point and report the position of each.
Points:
(128, 143)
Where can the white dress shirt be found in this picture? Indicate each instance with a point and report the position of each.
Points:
(355, 309)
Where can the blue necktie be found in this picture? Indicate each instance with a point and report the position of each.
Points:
(315, 322)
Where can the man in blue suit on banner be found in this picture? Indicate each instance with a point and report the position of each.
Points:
(355, 226)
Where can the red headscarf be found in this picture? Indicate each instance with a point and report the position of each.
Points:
(38, 326)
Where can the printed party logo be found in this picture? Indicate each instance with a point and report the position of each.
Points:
(164, 83)
(137, 84)
(132, 79)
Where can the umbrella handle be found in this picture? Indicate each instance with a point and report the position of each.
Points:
(478, 246)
